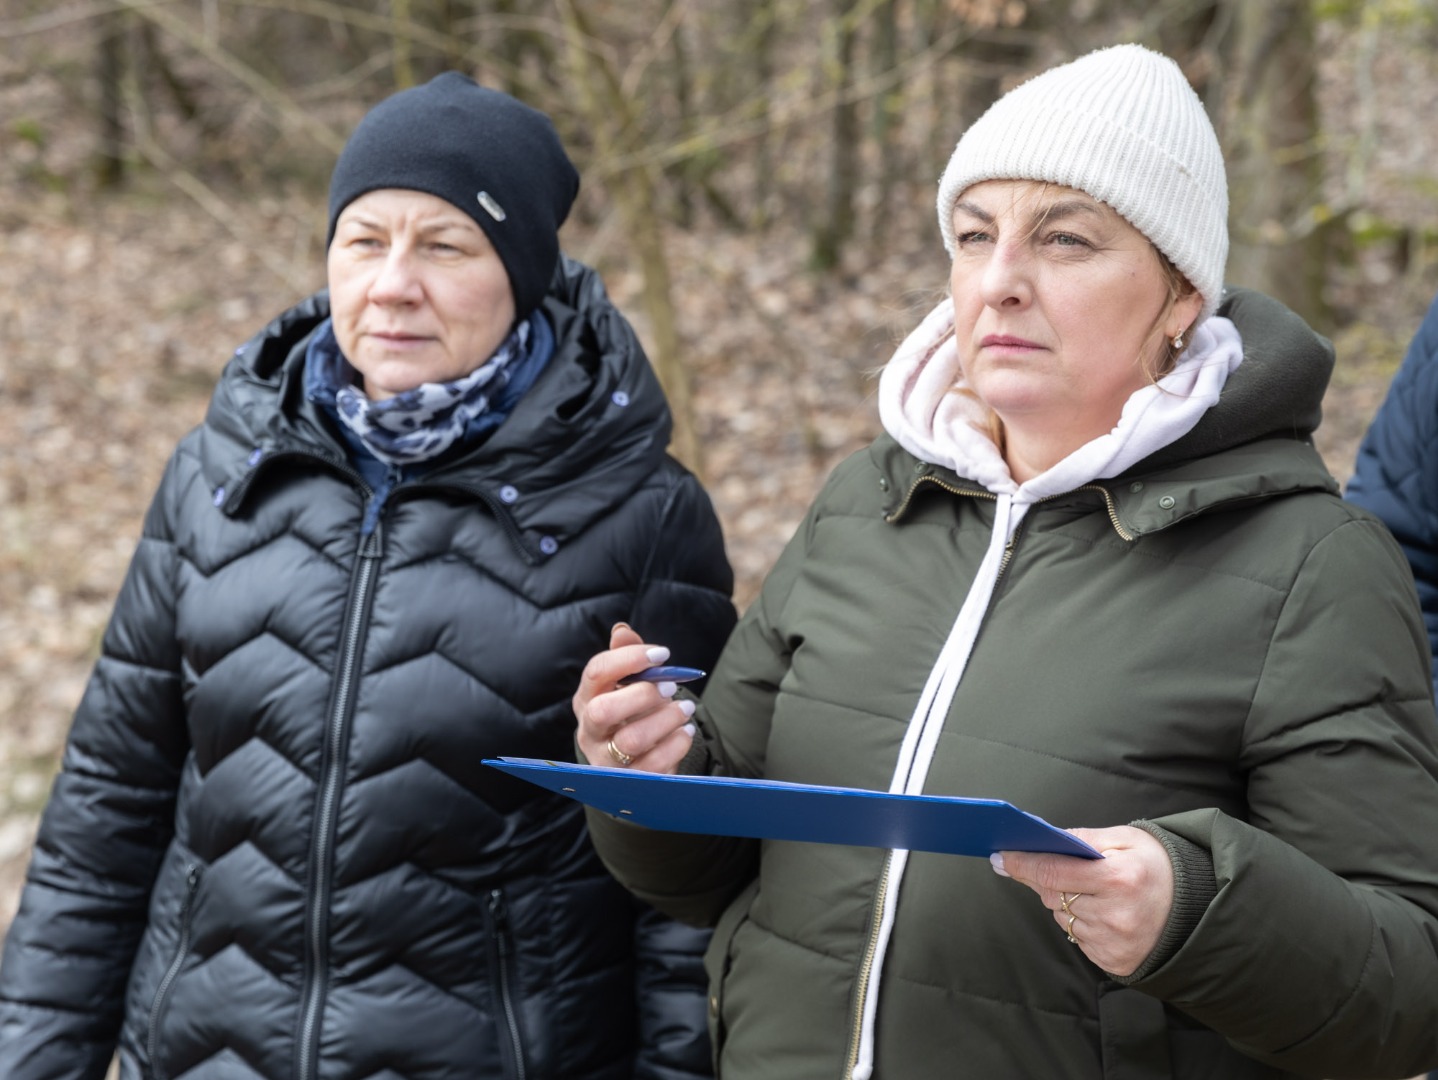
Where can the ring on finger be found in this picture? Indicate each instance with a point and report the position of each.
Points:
(1066, 900)
(622, 759)
(1072, 917)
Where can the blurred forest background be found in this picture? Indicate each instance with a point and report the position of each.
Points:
(758, 192)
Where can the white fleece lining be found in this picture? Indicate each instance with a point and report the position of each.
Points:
(919, 408)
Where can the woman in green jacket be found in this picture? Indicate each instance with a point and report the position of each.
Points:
(1095, 568)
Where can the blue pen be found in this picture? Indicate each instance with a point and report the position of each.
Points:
(664, 673)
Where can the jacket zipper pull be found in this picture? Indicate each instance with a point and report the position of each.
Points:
(501, 921)
(500, 915)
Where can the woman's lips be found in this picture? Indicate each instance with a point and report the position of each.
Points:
(1008, 341)
(394, 340)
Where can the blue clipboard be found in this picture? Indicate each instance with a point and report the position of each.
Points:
(776, 810)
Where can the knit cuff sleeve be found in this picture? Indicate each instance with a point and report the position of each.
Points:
(698, 761)
(1194, 887)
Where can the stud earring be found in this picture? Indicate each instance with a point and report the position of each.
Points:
(1178, 341)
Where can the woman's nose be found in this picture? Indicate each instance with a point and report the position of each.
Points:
(1007, 279)
(397, 282)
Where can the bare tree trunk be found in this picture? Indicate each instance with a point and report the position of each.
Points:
(616, 130)
(109, 64)
(941, 128)
(692, 176)
(888, 113)
(523, 50)
(759, 33)
(1190, 36)
(992, 63)
(153, 60)
(401, 40)
(836, 224)
(448, 16)
(681, 172)
(1275, 169)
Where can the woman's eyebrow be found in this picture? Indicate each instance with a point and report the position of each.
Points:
(431, 228)
(974, 210)
(1068, 208)
(359, 221)
(1064, 208)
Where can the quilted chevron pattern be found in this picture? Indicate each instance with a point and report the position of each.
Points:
(272, 851)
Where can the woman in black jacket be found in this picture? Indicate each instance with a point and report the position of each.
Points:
(417, 504)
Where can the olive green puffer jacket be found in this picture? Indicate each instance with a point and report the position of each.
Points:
(1213, 643)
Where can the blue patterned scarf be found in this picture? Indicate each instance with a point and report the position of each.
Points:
(422, 423)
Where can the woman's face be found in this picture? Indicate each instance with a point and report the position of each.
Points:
(417, 292)
(1057, 301)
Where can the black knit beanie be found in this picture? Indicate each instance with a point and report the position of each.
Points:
(495, 158)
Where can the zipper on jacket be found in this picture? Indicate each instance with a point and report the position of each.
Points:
(973, 493)
(331, 777)
(503, 940)
(866, 971)
(1012, 541)
(1112, 508)
(193, 874)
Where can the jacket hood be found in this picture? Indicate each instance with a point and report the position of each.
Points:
(591, 429)
(1276, 393)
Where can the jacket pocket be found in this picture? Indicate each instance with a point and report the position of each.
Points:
(1133, 1031)
(506, 988)
(193, 873)
(717, 959)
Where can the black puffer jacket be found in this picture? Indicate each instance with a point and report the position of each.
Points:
(272, 851)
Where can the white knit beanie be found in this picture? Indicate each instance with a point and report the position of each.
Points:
(1123, 125)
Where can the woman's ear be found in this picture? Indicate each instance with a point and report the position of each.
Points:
(1185, 310)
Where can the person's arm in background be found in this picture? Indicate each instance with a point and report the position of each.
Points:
(110, 817)
(1396, 474)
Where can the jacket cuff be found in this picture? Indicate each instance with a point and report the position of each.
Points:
(1194, 886)
(697, 762)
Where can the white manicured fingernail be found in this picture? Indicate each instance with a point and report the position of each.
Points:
(690, 730)
(657, 654)
(996, 860)
(666, 689)
(687, 708)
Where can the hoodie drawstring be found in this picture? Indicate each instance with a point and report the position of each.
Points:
(921, 738)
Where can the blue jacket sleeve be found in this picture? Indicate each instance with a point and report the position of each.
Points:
(109, 819)
(1396, 474)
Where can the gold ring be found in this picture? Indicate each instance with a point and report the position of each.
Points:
(623, 759)
(1067, 900)
(1071, 929)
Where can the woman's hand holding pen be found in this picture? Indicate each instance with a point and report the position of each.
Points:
(1114, 908)
(636, 724)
